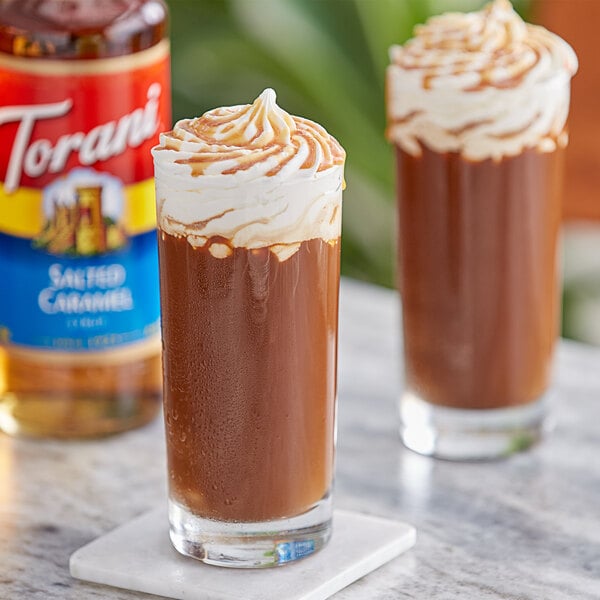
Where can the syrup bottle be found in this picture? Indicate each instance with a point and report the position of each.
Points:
(84, 92)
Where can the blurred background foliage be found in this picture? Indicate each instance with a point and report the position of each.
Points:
(326, 59)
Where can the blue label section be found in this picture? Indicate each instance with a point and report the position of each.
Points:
(71, 304)
(288, 551)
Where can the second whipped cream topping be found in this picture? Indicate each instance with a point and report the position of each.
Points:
(485, 84)
(252, 174)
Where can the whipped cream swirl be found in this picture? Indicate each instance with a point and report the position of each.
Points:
(251, 174)
(485, 84)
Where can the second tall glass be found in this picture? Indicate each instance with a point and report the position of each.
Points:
(477, 107)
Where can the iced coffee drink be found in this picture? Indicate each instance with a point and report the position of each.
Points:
(249, 212)
(477, 107)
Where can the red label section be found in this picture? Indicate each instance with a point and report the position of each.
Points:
(105, 119)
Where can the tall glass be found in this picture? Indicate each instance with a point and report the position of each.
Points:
(249, 270)
(479, 123)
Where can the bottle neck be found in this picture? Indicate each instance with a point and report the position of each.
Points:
(80, 29)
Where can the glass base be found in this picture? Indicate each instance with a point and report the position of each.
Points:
(459, 434)
(251, 545)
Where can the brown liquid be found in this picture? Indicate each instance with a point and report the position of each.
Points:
(577, 22)
(249, 377)
(39, 395)
(478, 276)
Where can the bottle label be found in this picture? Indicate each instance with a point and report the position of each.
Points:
(78, 257)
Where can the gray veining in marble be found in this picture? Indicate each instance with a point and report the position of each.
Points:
(527, 528)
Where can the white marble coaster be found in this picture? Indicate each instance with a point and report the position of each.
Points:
(139, 556)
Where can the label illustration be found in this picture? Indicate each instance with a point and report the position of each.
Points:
(83, 214)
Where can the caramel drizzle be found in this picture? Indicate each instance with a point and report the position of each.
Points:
(484, 44)
(406, 118)
(198, 227)
(469, 127)
(459, 131)
(252, 134)
(515, 132)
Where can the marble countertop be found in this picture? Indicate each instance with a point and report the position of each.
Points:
(526, 528)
